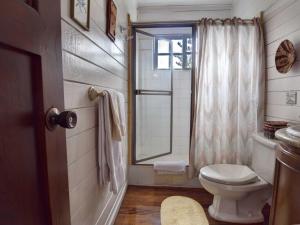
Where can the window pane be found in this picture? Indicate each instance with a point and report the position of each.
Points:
(163, 46)
(163, 61)
(189, 61)
(177, 46)
(177, 61)
(189, 45)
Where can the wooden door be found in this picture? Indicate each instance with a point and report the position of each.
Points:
(33, 166)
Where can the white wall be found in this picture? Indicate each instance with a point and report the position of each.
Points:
(132, 9)
(282, 22)
(250, 8)
(90, 58)
(182, 12)
(182, 80)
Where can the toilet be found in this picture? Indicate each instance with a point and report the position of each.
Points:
(240, 192)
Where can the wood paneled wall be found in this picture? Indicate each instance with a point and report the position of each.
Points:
(90, 58)
(282, 21)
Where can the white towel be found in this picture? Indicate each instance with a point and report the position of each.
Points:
(169, 167)
(110, 157)
(121, 103)
(103, 145)
(114, 104)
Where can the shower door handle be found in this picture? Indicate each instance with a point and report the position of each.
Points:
(152, 92)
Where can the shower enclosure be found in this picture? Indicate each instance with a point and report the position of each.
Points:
(163, 62)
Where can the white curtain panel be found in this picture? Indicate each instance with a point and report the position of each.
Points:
(229, 91)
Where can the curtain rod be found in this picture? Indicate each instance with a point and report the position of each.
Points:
(190, 23)
(165, 24)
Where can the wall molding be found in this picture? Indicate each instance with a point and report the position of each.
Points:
(185, 8)
(110, 212)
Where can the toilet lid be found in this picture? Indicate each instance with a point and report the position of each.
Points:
(229, 174)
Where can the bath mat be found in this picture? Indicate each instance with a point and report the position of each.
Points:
(179, 210)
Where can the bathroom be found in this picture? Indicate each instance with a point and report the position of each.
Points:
(147, 112)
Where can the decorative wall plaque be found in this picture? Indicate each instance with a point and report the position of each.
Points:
(285, 56)
(80, 13)
(111, 20)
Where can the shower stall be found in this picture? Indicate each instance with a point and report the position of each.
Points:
(162, 80)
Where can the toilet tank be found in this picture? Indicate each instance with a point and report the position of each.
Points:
(263, 157)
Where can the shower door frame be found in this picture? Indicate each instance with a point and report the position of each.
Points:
(135, 29)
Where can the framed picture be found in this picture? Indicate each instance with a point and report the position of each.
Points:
(80, 13)
(111, 20)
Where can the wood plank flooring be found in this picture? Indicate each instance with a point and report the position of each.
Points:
(141, 205)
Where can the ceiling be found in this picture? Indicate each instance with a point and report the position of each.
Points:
(181, 2)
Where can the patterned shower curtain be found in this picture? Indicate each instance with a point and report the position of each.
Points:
(229, 91)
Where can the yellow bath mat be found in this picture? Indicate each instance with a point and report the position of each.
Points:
(179, 210)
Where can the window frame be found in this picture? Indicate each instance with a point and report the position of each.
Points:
(184, 53)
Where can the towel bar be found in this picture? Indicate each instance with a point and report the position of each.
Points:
(93, 93)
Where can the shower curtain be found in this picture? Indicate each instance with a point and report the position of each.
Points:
(229, 91)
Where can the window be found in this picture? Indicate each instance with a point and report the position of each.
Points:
(175, 50)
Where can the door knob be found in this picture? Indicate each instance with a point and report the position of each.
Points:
(65, 119)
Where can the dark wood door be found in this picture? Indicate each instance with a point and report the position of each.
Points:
(33, 166)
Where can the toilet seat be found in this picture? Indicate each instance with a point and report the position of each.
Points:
(229, 174)
(233, 190)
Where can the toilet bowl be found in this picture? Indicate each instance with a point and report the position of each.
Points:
(237, 200)
(240, 192)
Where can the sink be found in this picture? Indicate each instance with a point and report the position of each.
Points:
(290, 136)
(294, 130)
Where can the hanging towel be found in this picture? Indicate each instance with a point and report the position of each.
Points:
(121, 102)
(103, 144)
(114, 104)
(169, 167)
(110, 156)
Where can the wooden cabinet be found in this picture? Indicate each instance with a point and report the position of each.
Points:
(286, 193)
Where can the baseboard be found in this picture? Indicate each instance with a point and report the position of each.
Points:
(115, 204)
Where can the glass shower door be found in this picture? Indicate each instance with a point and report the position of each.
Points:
(153, 102)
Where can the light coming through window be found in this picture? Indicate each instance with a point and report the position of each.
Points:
(173, 51)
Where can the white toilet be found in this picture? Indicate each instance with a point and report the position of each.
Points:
(241, 192)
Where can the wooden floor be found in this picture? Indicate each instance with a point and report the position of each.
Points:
(141, 205)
